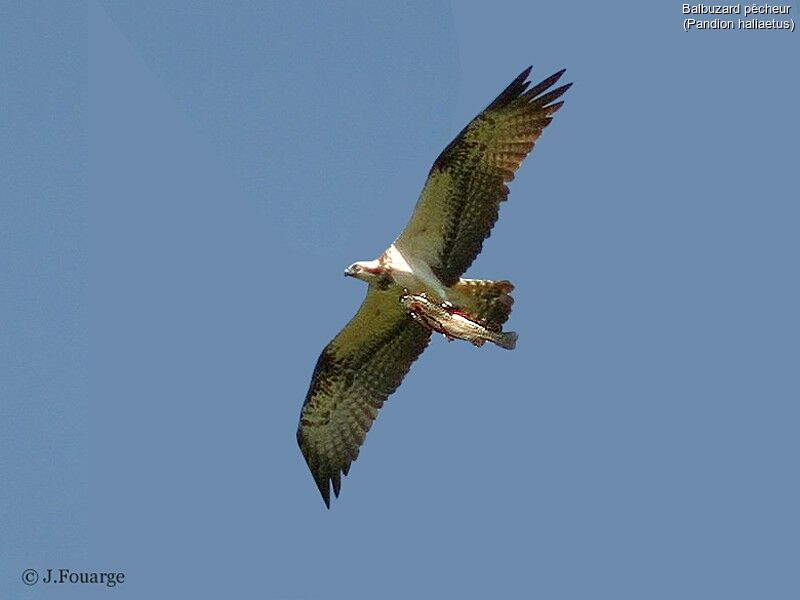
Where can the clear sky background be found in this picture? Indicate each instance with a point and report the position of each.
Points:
(183, 184)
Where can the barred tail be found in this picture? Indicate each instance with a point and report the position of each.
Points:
(488, 301)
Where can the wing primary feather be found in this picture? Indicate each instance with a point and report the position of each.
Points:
(554, 95)
(545, 83)
(553, 108)
(324, 487)
(514, 89)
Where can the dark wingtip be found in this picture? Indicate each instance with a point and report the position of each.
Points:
(324, 489)
(553, 78)
(521, 83)
(513, 90)
(552, 95)
(544, 84)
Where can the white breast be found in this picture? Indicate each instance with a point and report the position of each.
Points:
(413, 274)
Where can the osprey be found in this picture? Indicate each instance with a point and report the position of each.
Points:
(415, 287)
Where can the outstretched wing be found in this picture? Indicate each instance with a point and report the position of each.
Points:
(460, 201)
(354, 375)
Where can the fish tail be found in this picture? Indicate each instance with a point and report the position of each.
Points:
(507, 340)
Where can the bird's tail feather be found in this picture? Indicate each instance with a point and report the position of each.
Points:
(489, 301)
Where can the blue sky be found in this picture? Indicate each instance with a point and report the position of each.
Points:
(176, 215)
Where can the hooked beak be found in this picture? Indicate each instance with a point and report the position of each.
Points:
(349, 272)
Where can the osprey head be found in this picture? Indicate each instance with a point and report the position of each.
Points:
(365, 270)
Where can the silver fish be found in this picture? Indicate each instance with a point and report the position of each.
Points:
(453, 323)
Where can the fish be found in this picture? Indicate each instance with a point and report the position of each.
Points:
(446, 319)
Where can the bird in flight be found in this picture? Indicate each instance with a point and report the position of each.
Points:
(415, 287)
